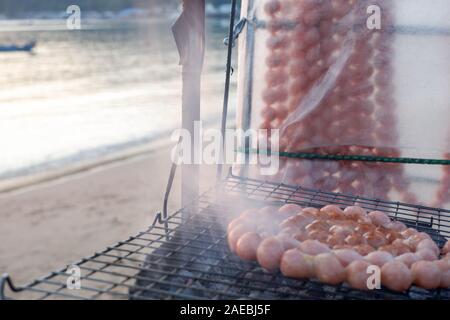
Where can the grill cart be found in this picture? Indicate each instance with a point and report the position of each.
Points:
(366, 127)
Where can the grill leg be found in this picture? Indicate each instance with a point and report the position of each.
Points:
(6, 279)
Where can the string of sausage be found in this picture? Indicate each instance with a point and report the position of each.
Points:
(358, 113)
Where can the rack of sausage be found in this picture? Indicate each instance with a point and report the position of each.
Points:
(357, 114)
(337, 246)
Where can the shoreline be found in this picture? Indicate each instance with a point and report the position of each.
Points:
(25, 181)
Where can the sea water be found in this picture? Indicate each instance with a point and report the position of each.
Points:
(84, 94)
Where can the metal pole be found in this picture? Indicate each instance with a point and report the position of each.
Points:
(246, 80)
(227, 88)
(190, 115)
(189, 33)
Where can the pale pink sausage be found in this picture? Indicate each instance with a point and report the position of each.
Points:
(408, 259)
(444, 266)
(428, 244)
(334, 240)
(414, 240)
(347, 256)
(271, 96)
(310, 212)
(364, 249)
(290, 208)
(319, 235)
(234, 223)
(274, 25)
(363, 228)
(354, 239)
(332, 211)
(310, 37)
(313, 247)
(375, 239)
(379, 218)
(426, 274)
(269, 254)
(291, 231)
(277, 60)
(397, 226)
(354, 212)
(297, 265)
(247, 245)
(278, 42)
(426, 254)
(328, 269)
(276, 78)
(401, 247)
(321, 225)
(379, 258)
(341, 8)
(341, 230)
(396, 276)
(299, 221)
(272, 7)
(357, 274)
(409, 232)
(288, 242)
(312, 17)
(236, 233)
(391, 249)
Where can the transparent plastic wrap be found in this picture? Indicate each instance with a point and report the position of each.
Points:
(356, 80)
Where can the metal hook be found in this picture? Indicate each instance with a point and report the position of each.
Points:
(238, 28)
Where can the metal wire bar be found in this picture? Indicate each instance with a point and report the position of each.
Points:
(359, 158)
(227, 86)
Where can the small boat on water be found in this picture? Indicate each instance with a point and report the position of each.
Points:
(15, 48)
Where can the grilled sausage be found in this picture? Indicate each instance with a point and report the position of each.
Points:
(347, 256)
(328, 269)
(396, 276)
(408, 259)
(247, 245)
(379, 258)
(295, 264)
(313, 247)
(357, 274)
(426, 274)
(269, 254)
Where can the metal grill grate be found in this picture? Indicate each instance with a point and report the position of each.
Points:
(190, 258)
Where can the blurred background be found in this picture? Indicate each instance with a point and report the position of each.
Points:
(85, 93)
(85, 122)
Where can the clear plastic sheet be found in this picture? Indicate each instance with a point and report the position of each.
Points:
(351, 77)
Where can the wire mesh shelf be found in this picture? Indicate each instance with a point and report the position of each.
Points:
(190, 258)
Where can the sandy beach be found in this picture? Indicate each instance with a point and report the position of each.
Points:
(47, 226)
